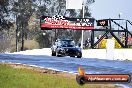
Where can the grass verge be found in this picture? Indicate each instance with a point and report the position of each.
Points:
(29, 77)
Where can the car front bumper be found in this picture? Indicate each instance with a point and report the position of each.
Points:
(70, 52)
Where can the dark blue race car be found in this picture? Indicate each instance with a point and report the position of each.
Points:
(66, 47)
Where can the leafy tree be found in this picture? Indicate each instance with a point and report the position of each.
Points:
(18, 14)
(5, 24)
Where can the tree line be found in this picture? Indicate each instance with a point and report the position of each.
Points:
(20, 21)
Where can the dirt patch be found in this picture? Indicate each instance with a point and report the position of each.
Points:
(42, 70)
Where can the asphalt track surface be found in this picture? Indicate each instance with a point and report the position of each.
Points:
(70, 64)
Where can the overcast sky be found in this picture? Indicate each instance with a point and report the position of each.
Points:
(103, 9)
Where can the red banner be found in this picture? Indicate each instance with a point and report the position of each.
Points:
(60, 22)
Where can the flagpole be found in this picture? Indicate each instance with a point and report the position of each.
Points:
(83, 17)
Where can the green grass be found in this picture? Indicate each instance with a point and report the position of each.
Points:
(23, 78)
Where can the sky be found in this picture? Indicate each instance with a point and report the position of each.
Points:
(103, 9)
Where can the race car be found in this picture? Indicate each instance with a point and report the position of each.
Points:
(66, 47)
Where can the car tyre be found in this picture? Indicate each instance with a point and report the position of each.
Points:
(72, 56)
(79, 56)
(53, 54)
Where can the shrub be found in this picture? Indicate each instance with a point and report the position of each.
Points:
(43, 40)
(4, 46)
(28, 45)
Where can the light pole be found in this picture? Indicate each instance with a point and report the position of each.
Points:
(119, 22)
(83, 7)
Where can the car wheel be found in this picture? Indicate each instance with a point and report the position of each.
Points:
(72, 56)
(53, 54)
(79, 55)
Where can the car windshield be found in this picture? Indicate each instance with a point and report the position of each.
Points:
(68, 43)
